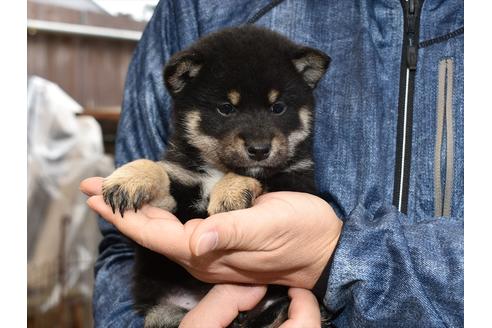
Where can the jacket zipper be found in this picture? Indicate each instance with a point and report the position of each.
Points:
(411, 10)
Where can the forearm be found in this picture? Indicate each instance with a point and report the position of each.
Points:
(386, 270)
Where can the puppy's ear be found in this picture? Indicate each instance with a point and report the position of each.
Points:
(181, 69)
(312, 64)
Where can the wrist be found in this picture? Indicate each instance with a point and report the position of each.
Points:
(319, 288)
(321, 280)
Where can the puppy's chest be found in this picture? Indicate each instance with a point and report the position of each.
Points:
(209, 180)
(192, 201)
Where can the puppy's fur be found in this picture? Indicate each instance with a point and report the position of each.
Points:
(243, 118)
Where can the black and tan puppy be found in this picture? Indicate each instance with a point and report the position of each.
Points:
(243, 115)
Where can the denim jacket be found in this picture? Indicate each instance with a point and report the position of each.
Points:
(389, 159)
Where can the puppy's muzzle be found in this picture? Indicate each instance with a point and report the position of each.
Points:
(258, 151)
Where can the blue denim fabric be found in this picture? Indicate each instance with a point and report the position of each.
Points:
(389, 269)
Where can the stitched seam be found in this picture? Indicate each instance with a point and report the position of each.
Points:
(442, 38)
(263, 11)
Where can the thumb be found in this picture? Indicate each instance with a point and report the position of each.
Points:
(222, 304)
(227, 231)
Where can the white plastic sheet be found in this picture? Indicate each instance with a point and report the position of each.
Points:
(63, 236)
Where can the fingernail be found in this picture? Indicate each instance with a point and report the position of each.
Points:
(207, 242)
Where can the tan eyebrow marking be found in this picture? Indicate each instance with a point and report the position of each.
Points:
(234, 97)
(273, 96)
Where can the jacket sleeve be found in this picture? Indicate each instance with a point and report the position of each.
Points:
(387, 271)
(142, 133)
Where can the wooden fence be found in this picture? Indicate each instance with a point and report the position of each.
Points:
(91, 68)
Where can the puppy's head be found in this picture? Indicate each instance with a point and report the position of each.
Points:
(244, 98)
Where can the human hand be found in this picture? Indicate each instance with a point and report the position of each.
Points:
(286, 238)
(223, 303)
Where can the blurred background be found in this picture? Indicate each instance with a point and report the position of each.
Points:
(78, 53)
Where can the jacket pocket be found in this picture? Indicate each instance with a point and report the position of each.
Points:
(444, 145)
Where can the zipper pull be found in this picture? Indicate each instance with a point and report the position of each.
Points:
(411, 28)
(411, 7)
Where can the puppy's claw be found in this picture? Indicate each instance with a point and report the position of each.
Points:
(130, 187)
(123, 204)
(113, 207)
(137, 203)
(108, 196)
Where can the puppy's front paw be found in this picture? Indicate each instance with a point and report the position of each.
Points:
(138, 183)
(233, 192)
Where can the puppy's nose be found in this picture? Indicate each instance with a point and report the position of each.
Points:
(258, 151)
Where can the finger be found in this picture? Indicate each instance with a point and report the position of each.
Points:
(250, 228)
(303, 309)
(91, 186)
(210, 269)
(235, 230)
(165, 235)
(156, 212)
(222, 304)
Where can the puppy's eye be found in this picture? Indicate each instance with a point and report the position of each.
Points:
(226, 109)
(278, 108)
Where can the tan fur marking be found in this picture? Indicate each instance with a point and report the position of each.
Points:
(234, 97)
(277, 144)
(207, 145)
(233, 150)
(311, 68)
(273, 96)
(302, 165)
(181, 175)
(176, 80)
(297, 136)
(164, 315)
(142, 178)
(233, 192)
